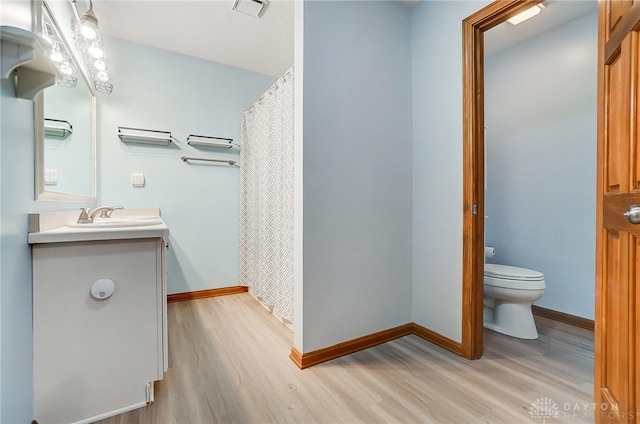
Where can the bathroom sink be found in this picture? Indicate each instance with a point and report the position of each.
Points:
(120, 222)
(62, 227)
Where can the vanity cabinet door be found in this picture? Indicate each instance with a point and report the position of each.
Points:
(92, 357)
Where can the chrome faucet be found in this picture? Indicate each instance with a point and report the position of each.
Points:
(106, 213)
(87, 215)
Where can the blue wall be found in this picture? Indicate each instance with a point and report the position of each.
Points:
(17, 14)
(17, 152)
(357, 170)
(437, 163)
(540, 105)
(70, 156)
(382, 174)
(161, 90)
(199, 202)
(17, 192)
(2, 94)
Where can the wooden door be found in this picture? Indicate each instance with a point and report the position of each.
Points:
(617, 346)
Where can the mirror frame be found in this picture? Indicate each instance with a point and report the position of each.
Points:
(41, 193)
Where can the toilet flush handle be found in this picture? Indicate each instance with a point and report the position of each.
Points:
(633, 214)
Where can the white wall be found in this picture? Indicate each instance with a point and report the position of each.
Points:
(437, 164)
(357, 170)
(540, 109)
(161, 90)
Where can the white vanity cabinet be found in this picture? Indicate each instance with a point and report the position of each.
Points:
(94, 357)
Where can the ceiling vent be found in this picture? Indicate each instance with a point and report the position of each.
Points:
(255, 8)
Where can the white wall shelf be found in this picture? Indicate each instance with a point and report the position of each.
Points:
(27, 54)
(206, 141)
(142, 136)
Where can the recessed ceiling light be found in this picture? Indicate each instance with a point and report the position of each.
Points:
(527, 14)
(255, 8)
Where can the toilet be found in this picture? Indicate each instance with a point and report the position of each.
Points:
(509, 292)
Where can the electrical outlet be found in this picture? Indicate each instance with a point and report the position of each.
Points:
(50, 176)
(137, 179)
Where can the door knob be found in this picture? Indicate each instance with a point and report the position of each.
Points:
(633, 214)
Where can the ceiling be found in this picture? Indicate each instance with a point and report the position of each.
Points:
(557, 12)
(209, 30)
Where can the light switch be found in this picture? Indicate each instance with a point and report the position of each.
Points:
(50, 176)
(137, 179)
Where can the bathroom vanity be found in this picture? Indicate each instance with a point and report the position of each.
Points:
(99, 313)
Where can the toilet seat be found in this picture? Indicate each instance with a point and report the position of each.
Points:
(512, 277)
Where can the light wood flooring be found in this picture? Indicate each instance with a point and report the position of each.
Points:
(228, 362)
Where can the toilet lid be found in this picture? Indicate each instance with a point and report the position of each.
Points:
(507, 272)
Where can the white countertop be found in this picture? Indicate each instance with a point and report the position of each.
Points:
(59, 227)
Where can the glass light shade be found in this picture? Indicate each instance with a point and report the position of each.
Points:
(88, 25)
(66, 69)
(96, 52)
(88, 31)
(100, 65)
(103, 76)
(56, 56)
(89, 42)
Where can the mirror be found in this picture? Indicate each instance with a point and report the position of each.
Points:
(65, 115)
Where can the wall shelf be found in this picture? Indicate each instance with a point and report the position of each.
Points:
(142, 136)
(28, 55)
(203, 140)
(57, 128)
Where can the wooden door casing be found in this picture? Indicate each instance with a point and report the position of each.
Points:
(473, 28)
(618, 241)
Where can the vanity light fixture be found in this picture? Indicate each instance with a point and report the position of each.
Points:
(202, 140)
(60, 57)
(255, 8)
(527, 14)
(142, 136)
(88, 41)
(57, 128)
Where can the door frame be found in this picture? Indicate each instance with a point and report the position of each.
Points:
(473, 29)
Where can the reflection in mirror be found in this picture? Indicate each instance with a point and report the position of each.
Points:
(65, 130)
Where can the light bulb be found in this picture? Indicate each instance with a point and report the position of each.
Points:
(100, 65)
(88, 24)
(56, 56)
(527, 14)
(103, 76)
(96, 52)
(88, 31)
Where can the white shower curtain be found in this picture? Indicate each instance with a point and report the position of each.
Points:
(266, 198)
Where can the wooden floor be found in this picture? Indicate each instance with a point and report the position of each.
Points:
(228, 362)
